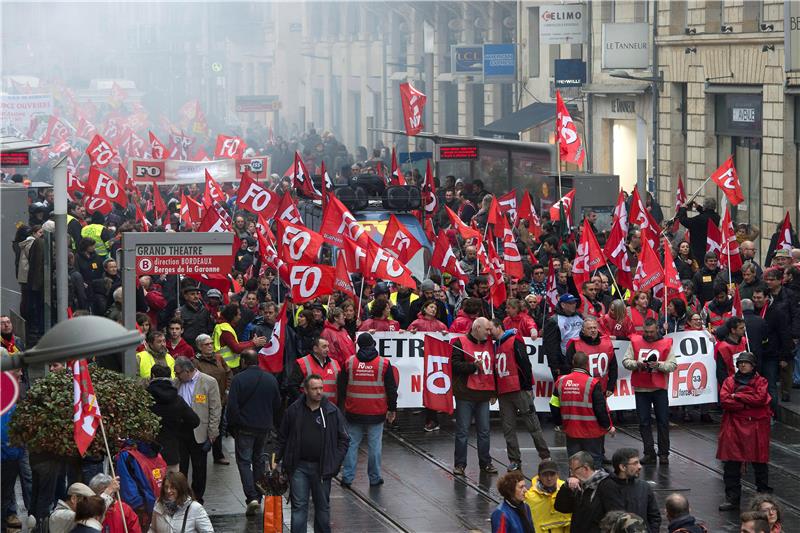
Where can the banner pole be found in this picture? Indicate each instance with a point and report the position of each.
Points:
(113, 473)
(687, 202)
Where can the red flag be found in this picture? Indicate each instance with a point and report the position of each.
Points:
(465, 231)
(528, 212)
(86, 129)
(102, 185)
(588, 258)
(57, 131)
(508, 205)
(327, 184)
(74, 185)
(532, 257)
(680, 199)
(648, 272)
(213, 192)
(437, 392)
(270, 356)
(497, 219)
(512, 259)
(214, 221)
(255, 198)
(157, 148)
(569, 143)
(737, 302)
(567, 200)
(551, 291)
(397, 177)
(429, 199)
(301, 179)
(413, 102)
(621, 212)
(229, 147)
(338, 223)
(497, 286)
(125, 181)
(158, 202)
(785, 235)
(672, 281)
(190, 210)
(381, 265)
(309, 281)
(357, 260)
(287, 210)
(642, 218)
(85, 411)
(92, 204)
(297, 243)
(727, 180)
(713, 239)
(429, 231)
(399, 241)
(342, 281)
(100, 151)
(443, 258)
(729, 254)
(146, 224)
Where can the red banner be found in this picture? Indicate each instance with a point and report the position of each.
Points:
(310, 281)
(413, 107)
(437, 392)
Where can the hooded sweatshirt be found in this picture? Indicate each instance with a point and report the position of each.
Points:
(367, 354)
(177, 418)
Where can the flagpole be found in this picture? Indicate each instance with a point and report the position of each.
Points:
(687, 202)
(613, 278)
(113, 473)
(361, 293)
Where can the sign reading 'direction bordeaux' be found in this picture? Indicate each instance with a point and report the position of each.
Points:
(209, 258)
(693, 382)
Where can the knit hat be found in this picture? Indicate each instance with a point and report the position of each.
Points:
(365, 340)
(427, 285)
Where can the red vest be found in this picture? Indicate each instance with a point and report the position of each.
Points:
(588, 309)
(505, 365)
(642, 351)
(725, 351)
(600, 357)
(715, 320)
(575, 397)
(638, 320)
(154, 468)
(483, 356)
(330, 372)
(366, 392)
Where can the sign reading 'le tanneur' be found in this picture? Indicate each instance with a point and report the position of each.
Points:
(626, 45)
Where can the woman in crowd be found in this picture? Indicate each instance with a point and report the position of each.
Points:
(513, 515)
(176, 509)
(685, 264)
(640, 310)
(768, 505)
(616, 323)
(427, 321)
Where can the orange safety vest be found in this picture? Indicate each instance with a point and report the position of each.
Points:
(330, 372)
(725, 351)
(483, 356)
(575, 401)
(716, 320)
(642, 351)
(505, 364)
(366, 391)
(600, 357)
(638, 320)
(588, 309)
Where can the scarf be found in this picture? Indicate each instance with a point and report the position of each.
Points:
(9, 342)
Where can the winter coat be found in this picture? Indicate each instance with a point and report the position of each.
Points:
(340, 345)
(380, 324)
(744, 433)
(197, 520)
(427, 325)
(217, 369)
(632, 495)
(254, 400)
(551, 343)
(685, 524)
(195, 322)
(462, 323)
(523, 323)
(586, 508)
(542, 504)
(335, 440)
(112, 521)
(182, 349)
(506, 519)
(698, 229)
(177, 418)
(62, 519)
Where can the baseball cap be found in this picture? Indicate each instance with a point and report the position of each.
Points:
(783, 253)
(568, 298)
(548, 466)
(214, 293)
(79, 489)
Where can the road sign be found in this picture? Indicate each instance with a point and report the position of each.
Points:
(257, 103)
(9, 391)
(184, 259)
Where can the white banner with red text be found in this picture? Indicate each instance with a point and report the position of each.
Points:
(693, 382)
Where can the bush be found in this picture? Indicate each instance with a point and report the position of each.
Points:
(43, 419)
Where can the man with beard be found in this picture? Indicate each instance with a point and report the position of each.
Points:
(578, 495)
(625, 491)
(155, 353)
(196, 318)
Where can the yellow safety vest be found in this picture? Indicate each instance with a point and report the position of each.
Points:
(72, 244)
(231, 359)
(95, 232)
(147, 362)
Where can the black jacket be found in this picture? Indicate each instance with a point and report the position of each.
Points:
(631, 495)
(195, 322)
(780, 318)
(698, 230)
(177, 418)
(703, 281)
(612, 360)
(254, 401)
(335, 439)
(587, 509)
(365, 355)
(686, 524)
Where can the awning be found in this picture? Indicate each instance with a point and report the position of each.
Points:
(510, 126)
(721, 88)
(13, 144)
(792, 89)
(632, 87)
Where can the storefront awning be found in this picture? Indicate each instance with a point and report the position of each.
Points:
(510, 126)
(632, 87)
(721, 88)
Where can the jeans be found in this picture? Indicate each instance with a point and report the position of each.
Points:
(465, 411)
(250, 460)
(305, 480)
(518, 405)
(732, 476)
(190, 450)
(595, 447)
(660, 402)
(47, 475)
(796, 372)
(374, 441)
(770, 369)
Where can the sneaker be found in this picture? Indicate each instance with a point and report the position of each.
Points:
(30, 522)
(663, 459)
(221, 461)
(458, 470)
(729, 506)
(648, 459)
(253, 506)
(489, 469)
(13, 521)
(377, 483)
(514, 466)
(431, 426)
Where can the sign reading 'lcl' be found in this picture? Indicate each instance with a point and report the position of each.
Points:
(183, 259)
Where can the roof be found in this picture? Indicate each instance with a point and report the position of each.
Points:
(9, 143)
(530, 116)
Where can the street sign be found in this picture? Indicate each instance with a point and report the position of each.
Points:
(257, 103)
(9, 391)
(158, 259)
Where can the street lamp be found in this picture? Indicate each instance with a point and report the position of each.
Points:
(77, 338)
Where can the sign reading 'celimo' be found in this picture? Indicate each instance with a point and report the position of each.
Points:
(626, 45)
(562, 24)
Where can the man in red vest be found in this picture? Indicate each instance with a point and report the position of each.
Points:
(725, 351)
(650, 359)
(579, 406)
(317, 362)
(474, 389)
(368, 390)
(600, 350)
(514, 383)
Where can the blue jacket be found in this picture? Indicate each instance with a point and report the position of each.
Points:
(254, 400)
(10, 453)
(134, 486)
(506, 520)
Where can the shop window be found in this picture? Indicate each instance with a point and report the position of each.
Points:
(492, 169)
